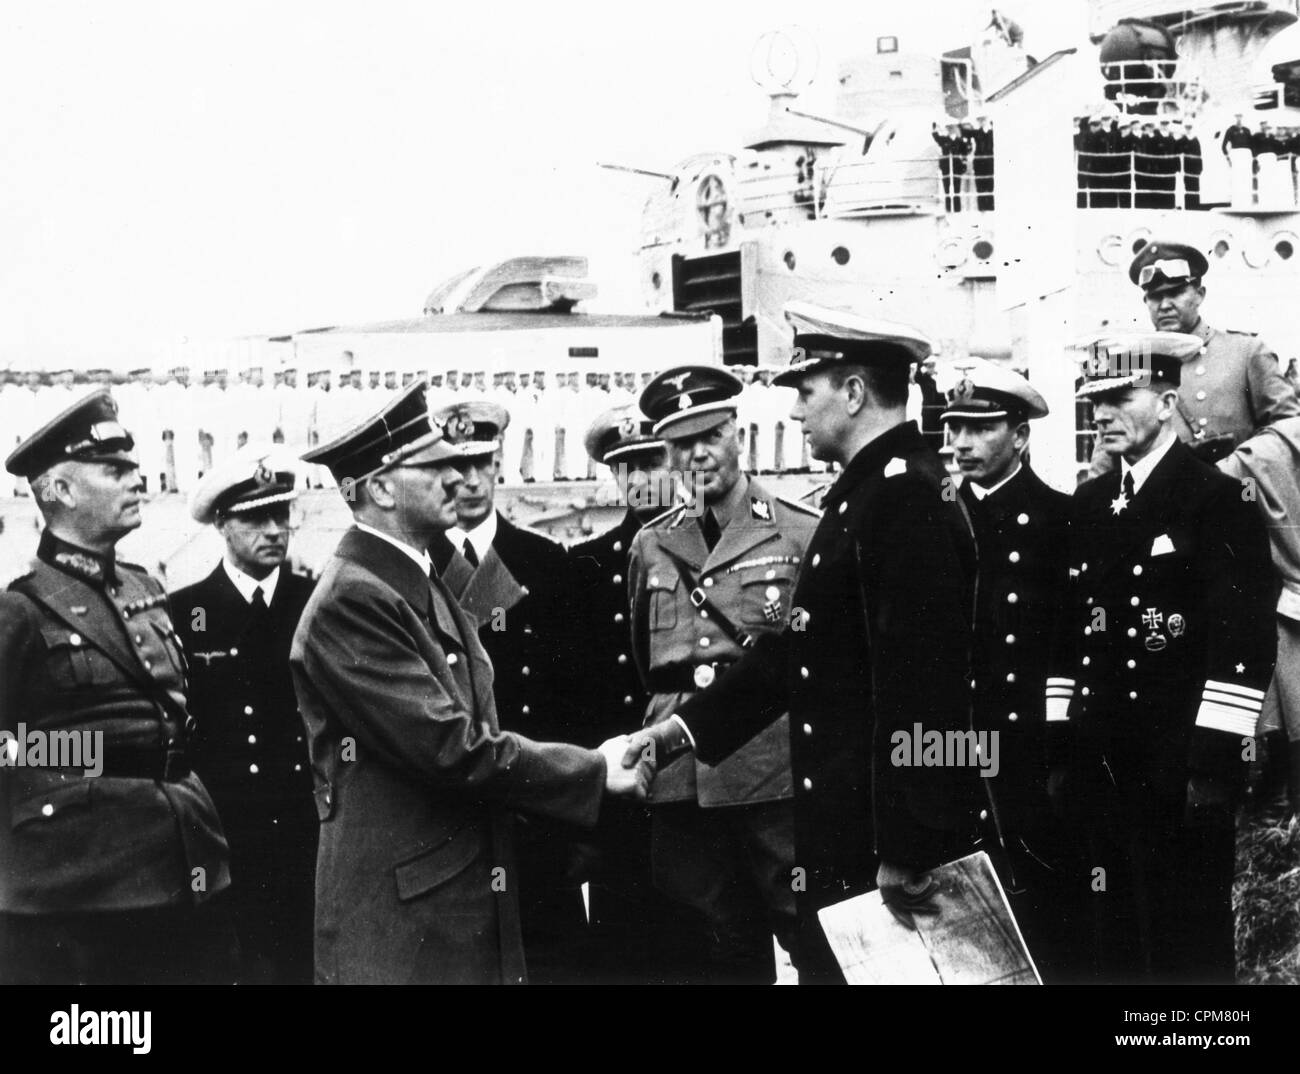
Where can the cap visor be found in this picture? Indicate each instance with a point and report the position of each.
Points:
(642, 447)
(793, 374)
(694, 422)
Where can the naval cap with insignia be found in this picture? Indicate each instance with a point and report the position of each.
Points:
(690, 399)
(1167, 266)
(1134, 360)
(88, 431)
(256, 476)
(987, 391)
(824, 337)
(402, 433)
(475, 425)
(620, 432)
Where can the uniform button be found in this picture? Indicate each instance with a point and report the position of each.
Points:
(807, 785)
(817, 558)
(1086, 631)
(1132, 632)
(1086, 661)
(1014, 557)
(252, 768)
(1023, 519)
(1203, 421)
(1137, 569)
(139, 639)
(528, 628)
(297, 768)
(74, 639)
(618, 546)
(252, 740)
(984, 814)
(803, 673)
(1086, 691)
(525, 710)
(47, 810)
(703, 614)
(234, 652)
(1132, 695)
(300, 738)
(618, 617)
(654, 579)
(1011, 676)
(844, 507)
(627, 700)
(807, 729)
(526, 671)
(622, 658)
(618, 578)
(704, 643)
(452, 659)
(248, 710)
(1200, 395)
(1135, 601)
(1132, 663)
(1012, 598)
(148, 665)
(1200, 370)
(1012, 717)
(1088, 601)
(1011, 639)
(1083, 566)
(708, 583)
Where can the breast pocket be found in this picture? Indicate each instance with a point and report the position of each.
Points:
(766, 601)
(69, 660)
(662, 591)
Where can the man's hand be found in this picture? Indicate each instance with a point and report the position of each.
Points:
(656, 745)
(907, 893)
(621, 778)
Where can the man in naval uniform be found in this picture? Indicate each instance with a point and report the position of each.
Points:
(111, 862)
(416, 782)
(629, 918)
(1020, 531)
(1165, 648)
(707, 578)
(517, 585)
(1233, 386)
(878, 643)
(249, 744)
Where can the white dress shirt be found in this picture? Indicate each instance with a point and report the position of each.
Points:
(480, 537)
(421, 557)
(980, 491)
(1141, 469)
(248, 585)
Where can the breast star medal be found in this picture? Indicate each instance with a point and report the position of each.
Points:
(1118, 504)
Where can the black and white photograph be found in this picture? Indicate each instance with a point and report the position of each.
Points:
(667, 495)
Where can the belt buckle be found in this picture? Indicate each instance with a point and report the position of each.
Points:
(704, 676)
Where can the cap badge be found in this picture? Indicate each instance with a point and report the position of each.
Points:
(965, 391)
(679, 381)
(684, 402)
(459, 427)
(704, 675)
(264, 476)
(627, 427)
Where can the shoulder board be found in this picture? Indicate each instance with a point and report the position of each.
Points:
(1239, 332)
(801, 508)
(895, 466)
(123, 565)
(667, 516)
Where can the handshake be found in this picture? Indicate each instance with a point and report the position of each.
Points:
(631, 761)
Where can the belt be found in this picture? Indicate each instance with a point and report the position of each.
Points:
(166, 766)
(686, 677)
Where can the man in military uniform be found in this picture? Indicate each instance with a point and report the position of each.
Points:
(1165, 649)
(415, 780)
(629, 918)
(878, 643)
(1234, 384)
(109, 861)
(1020, 531)
(249, 746)
(517, 586)
(707, 578)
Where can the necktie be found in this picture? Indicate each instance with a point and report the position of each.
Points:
(259, 603)
(712, 531)
(468, 552)
(1128, 486)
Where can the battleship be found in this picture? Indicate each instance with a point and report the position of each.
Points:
(1021, 258)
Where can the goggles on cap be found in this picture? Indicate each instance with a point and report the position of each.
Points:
(101, 432)
(1176, 268)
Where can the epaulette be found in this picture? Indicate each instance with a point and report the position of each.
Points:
(1239, 332)
(674, 510)
(802, 508)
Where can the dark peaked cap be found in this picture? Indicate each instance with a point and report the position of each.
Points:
(619, 432)
(403, 432)
(1135, 359)
(1171, 265)
(690, 399)
(88, 431)
(825, 337)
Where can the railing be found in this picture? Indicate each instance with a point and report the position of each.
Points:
(1136, 180)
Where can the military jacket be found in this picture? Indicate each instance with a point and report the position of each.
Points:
(886, 598)
(1167, 638)
(680, 647)
(87, 647)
